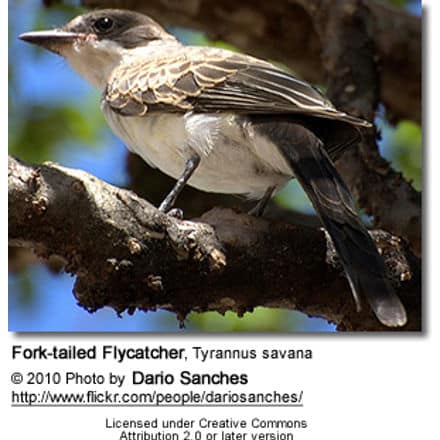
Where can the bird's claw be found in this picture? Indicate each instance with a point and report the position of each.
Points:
(176, 213)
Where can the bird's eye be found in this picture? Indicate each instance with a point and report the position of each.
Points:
(103, 24)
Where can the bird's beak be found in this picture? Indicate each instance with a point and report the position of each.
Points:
(53, 40)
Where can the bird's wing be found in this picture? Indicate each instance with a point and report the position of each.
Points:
(202, 79)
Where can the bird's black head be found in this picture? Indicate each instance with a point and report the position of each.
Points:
(126, 28)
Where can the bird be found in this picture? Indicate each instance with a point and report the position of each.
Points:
(226, 122)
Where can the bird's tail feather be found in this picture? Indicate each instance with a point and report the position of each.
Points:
(365, 270)
(332, 200)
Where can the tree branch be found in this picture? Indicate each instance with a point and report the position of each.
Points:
(283, 30)
(128, 255)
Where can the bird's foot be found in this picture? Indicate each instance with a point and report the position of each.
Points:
(176, 213)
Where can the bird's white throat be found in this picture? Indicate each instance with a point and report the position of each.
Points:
(94, 60)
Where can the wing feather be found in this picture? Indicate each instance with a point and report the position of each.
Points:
(202, 79)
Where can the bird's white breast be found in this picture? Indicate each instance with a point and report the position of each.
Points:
(234, 159)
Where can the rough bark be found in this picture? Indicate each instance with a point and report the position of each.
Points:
(128, 255)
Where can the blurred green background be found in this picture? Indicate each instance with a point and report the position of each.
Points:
(54, 115)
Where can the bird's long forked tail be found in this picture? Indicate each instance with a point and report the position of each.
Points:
(333, 202)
